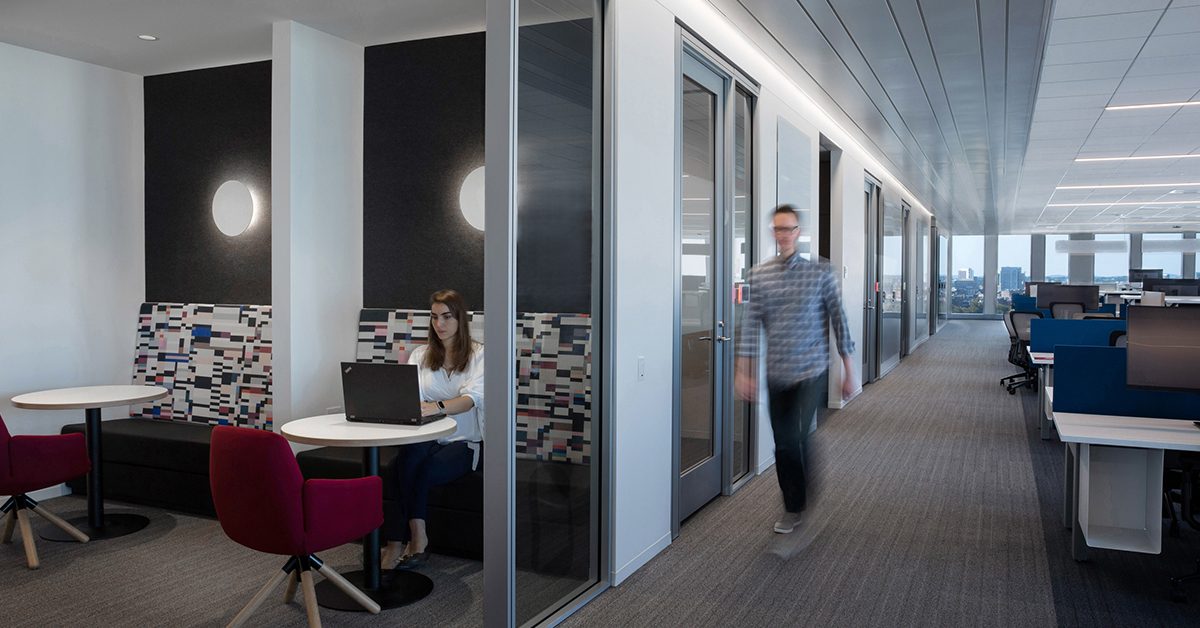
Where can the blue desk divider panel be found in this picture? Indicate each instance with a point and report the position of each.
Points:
(1023, 303)
(1091, 380)
(1108, 308)
(1046, 333)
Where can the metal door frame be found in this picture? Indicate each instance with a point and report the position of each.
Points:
(872, 210)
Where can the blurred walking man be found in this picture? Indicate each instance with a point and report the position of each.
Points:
(795, 301)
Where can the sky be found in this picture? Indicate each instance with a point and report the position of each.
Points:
(1014, 250)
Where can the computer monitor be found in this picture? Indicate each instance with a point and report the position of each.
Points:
(1163, 348)
(1173, 287)
(1137, 275)
(1031, 286)
(1048, 294)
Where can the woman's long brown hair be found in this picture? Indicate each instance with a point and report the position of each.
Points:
(435, 355)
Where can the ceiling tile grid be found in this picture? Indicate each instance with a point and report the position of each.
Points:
(1110, 53)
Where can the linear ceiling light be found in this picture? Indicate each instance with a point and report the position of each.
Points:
(1108, 204)
(1128, 185)
(1153, 105)
(1133, 158)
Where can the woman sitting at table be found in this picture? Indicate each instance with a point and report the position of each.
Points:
(450, 371)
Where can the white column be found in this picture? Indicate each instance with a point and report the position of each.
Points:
(991, 250)
(316, 215)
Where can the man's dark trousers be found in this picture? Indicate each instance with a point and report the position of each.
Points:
(792, 414)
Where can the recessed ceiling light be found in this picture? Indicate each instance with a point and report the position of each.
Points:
(1130, 185)
(1108, 204)
(147, 38)
(1133, 158)
(1153, 105)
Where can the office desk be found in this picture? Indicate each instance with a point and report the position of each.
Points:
(1045, 363)
(1113, 487)
(1182, 300)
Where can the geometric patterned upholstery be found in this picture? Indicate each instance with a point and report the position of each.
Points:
(215, 360)
(554, 373)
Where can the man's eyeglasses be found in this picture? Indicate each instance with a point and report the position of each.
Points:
(782, 230)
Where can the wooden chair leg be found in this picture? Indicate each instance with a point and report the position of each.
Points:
(349, 589)
(10, 524)
(310, 599)
(290, 594)
(258, 599)
(62, 525)
(27, 536)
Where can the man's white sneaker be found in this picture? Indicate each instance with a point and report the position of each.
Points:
(787, 522)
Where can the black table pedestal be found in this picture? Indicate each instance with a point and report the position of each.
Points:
(96, 524)
(396, 588)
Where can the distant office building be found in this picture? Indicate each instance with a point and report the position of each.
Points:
(1012, 278)
(966, 274)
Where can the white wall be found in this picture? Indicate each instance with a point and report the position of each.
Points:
(316, 207)
(847, 255)
(645, 86)
(71, 230)
(645, 266)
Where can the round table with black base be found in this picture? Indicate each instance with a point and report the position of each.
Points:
(397, 588)
(91, 399)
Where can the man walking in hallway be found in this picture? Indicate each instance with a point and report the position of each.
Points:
(795, 301)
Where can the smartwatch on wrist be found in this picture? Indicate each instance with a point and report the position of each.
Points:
(441, 407)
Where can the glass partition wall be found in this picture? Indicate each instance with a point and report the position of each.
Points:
(545, 275)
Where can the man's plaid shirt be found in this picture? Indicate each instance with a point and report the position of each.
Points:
(795, 300)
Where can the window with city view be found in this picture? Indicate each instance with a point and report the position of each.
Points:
(966, 295)
(1170, 263)
(1112, 267)
(1057, 264)
(1013, 257)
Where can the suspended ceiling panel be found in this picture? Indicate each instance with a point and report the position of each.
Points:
(1108, 53)
(942, 91)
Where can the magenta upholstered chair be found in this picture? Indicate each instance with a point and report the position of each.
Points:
(29, 463)
(264, 503)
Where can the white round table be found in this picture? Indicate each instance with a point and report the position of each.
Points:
(90, 399)
(333, 430)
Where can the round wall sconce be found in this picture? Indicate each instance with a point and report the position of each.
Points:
(471, 198)
(233, 208)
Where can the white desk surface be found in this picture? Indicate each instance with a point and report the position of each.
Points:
(1182, 300)
(86, 397)
(333, 430)
(1122, 431)
(1042, 357)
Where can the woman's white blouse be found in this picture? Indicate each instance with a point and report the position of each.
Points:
(440, 386)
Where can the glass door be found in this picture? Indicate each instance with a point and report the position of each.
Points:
(741, 258)
(702, 333)
(873, 199)
(891, 288)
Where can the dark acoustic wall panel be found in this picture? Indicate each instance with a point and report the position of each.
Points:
(423, 134)
(203, 128)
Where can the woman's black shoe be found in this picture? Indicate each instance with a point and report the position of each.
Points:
(413, 561)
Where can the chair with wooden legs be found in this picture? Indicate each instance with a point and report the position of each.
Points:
(265, 504)
(30, 463)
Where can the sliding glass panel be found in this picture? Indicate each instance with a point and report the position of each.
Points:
(1170, 263)
(1112, 267)
(921, 281)
(1013, 258)
(967, 290)
(891, 285)
(557, 329)
(943, 279)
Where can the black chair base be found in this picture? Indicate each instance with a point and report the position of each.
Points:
(1177, 592)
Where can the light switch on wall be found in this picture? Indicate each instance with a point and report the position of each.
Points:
(641, 368)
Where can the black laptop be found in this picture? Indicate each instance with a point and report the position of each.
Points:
(383, 393)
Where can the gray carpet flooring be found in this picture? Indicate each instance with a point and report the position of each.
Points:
(935, 504)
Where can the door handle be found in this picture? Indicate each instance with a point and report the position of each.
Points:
(704, 338)
(723, 338)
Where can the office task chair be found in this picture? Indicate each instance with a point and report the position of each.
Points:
(1154, 298)
(1117, 338)
(1181, 474)
(30, 463)
(265, 504)
(1013, 346)
(1019, 351)
(1065, 309)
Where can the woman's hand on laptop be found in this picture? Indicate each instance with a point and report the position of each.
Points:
(429, 408)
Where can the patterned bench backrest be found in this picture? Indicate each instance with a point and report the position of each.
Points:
(215, 360)
(554, 373)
